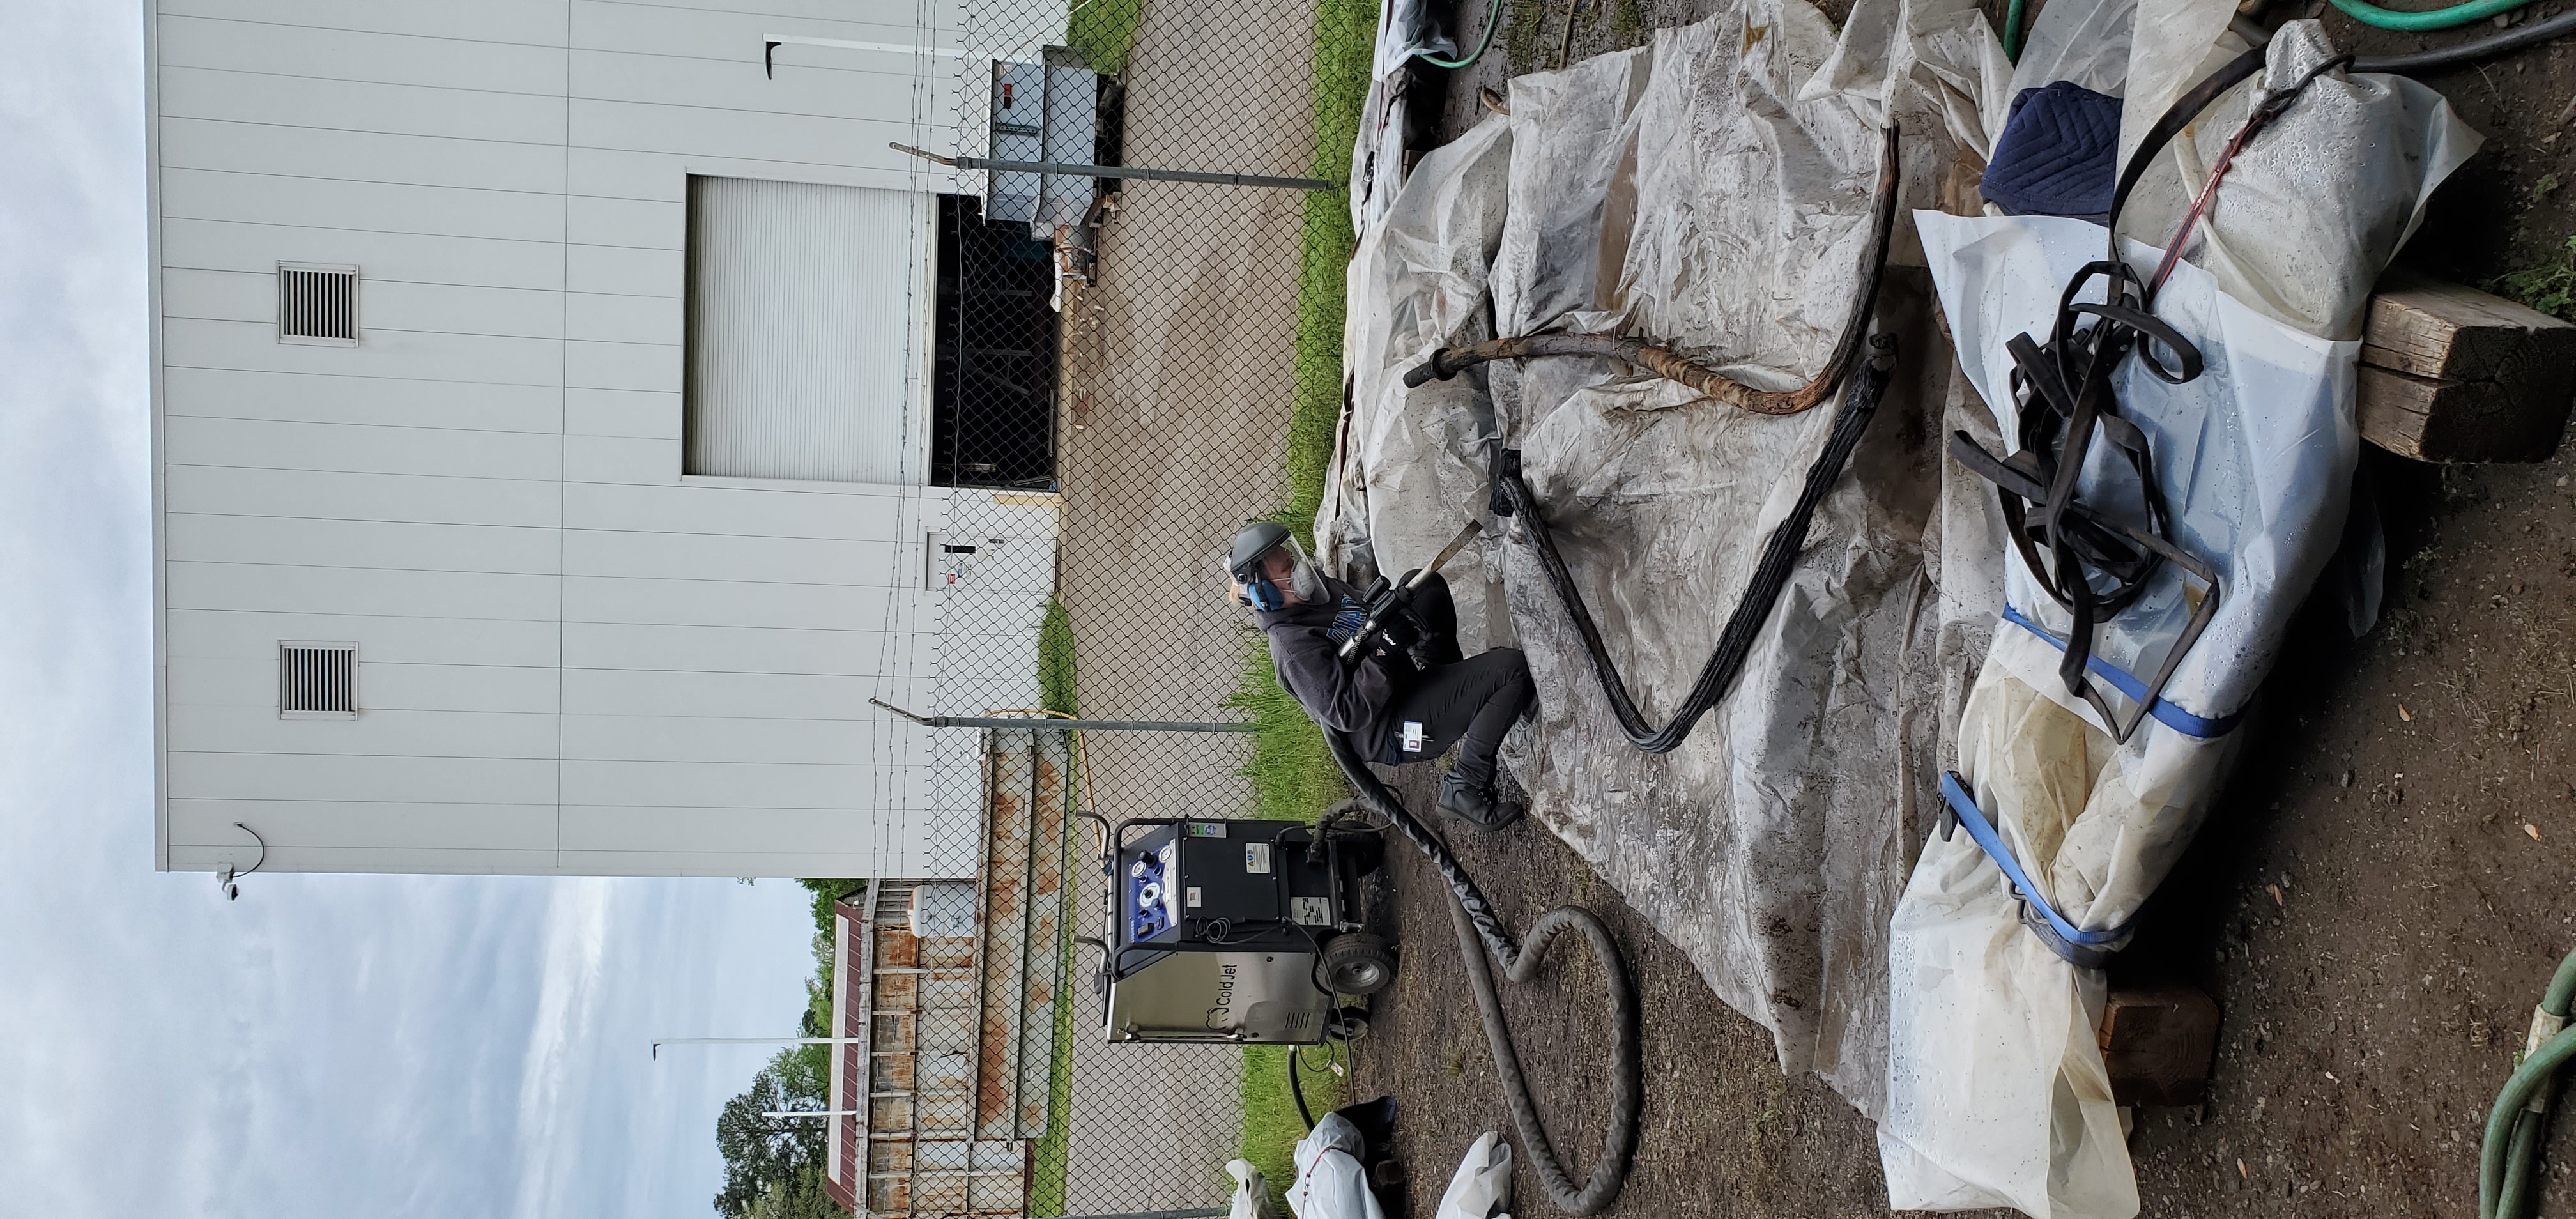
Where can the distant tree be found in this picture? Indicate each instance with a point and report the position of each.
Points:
(764, 1154)
(774, 1166)
(800, 1197)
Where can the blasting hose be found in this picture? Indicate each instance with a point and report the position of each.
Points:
(1770, 573)
(1447, 362)
(1481, 932)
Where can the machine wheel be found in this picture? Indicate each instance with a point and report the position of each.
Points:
(1356, 963)
(1347, 1024)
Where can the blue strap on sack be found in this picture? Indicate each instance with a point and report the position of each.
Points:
(2088, 949)
(2121, 680)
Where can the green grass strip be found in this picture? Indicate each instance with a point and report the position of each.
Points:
(1293, 776)
(1058, 691)
(1102, 31)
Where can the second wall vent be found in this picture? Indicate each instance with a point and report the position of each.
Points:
(317, 681)
(317, 304)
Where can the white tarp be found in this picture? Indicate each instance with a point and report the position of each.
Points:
(1997, 1094)
(1710, 192)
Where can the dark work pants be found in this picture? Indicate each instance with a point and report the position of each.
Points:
(1469, 703)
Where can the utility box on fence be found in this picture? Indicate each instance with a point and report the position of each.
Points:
(1046, 111)
(948, 990)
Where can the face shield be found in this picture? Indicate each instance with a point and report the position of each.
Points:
(1270, 571)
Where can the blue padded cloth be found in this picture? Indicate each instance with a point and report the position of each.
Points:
(2058, 154)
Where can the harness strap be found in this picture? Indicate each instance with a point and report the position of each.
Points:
(2086, 949)
(2166, 713)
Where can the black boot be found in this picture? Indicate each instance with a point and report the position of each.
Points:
(1476, 805)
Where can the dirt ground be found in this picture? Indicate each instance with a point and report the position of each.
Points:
(2375, 904)
(1164, 453)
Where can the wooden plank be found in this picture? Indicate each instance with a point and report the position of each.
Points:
(2157, 1044)
(2452, 374)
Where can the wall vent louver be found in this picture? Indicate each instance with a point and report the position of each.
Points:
(317, 681)
(317, 304)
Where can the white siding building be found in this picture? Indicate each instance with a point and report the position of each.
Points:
(541, 422)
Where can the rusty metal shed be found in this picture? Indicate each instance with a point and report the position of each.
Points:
(940, 1097)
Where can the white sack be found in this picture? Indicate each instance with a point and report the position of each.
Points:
(1997, 1093)
(1482, 1186)
(1251, 1192)
(1330, 1182)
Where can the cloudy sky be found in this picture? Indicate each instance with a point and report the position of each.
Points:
(326, 1046)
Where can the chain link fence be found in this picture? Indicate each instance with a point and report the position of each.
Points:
(1118, 365)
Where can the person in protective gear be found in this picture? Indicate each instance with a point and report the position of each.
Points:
(1409, 696)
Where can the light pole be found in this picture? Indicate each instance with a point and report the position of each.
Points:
(657, 1045)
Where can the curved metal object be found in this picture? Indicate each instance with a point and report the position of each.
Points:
(1671, 365)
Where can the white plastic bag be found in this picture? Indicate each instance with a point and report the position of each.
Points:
(1331, 1184)
(1251, 1192)
(1997, 1093)
(1482, 1186)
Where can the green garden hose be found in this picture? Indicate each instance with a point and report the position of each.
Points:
(2430, 19)
(2012, 32)
(2512, 1149)
(1494, 17)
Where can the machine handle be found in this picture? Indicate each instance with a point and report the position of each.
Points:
(1402, 594)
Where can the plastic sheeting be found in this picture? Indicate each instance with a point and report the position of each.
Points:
(1997, 1091)
(1712, 190)
(1251, 1192)
(1482, 1186)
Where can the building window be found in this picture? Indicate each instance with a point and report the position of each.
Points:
(317, 304)
(317, 681)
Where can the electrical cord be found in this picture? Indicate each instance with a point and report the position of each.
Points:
(1480, 932)
(1493, 19)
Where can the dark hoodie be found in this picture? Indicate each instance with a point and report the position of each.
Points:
(1355, 698)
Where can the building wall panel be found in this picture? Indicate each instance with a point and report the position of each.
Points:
(722, 603)
(847, 511)
(382, 686)
(353, 590)
(359, 448)
(284, 48)
(857, 652)
(463, 359)
(618, 318)
(537, 22)
(785, 696)
(360, 156)
(624, 270)
(387, 207)
(632, 413)
(436, 734)
(297, 826)
(384, 639)
(380, 257)
(514, 549)
(351, 778)
(763, 560)
(248, 491)
(348, 105)
(687, 738)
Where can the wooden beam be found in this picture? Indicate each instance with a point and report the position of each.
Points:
(2452, 374)
(2158, 1043)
